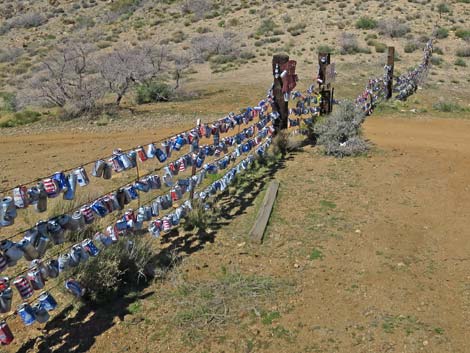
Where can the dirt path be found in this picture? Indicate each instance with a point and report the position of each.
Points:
(375, 250)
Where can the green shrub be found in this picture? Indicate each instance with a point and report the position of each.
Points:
(463, 52)
(21, 118)
(443, 8)
(297, 29)
(463, 34)
(447, 107)
(340, 132)
(411, 46)
(380, 47)
(124, 6)
(435, 60)
(442, 33)
(153, 91)
(8, 102)
(267, 26)
(323, 48)
(222, 59)
(460, 62)
(116, 270)
(366, 23)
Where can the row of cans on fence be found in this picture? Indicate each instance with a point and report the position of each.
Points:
(39, 272)
(38, 312)
(37, 239)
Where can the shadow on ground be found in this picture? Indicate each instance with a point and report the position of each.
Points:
(77, 333)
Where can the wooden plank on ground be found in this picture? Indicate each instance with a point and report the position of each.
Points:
(257, 232)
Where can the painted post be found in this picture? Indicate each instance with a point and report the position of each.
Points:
(390, 67)
(279, 105)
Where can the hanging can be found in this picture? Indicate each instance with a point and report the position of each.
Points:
(40, 313)
(26, 313)
(141, 154)
(20, 196)
(53, 268)
(24, 287)
(90, 247)
(29, 251)
(47, 301)
(74, 287)
(36, 280)
(6, 337)
(5, 300)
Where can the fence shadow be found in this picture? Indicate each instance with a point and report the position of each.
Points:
(77, 333)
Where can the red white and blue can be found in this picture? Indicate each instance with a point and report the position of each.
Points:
(47, 301)
(5, 334)
(74, 287)
(87, 213)
(20, 196)
(141, 154)
(90, 247)
(4, 283)
(35, 278)
(26, 313)
(24, 287)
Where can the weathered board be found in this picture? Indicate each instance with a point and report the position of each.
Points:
(257, 232)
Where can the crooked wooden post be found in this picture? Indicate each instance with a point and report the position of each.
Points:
(280, 105)
(390, 67)
(325, 78)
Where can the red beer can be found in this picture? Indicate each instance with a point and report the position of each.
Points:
(5, 334)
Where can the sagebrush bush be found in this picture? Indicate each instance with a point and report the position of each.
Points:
(411, 46)
(198, 217)
(442, 33)
(463, 34)
(340, 132)
(393, 28)
(447, 107)
(284, 143)
(116, 270)
(463, 52)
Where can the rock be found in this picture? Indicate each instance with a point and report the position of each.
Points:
(425, 343)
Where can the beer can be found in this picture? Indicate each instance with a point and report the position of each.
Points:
(36, 280)
(26, 313)
(47, 301)
(40, 313)
(5, 300)
(74, 287)
(24, 287)
(90, 247)
(5, 334)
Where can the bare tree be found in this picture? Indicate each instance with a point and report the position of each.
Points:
(205, 46)
(66, 78)
(181, 63)
(125, 67)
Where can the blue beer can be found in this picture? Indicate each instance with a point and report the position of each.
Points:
(47, 301)
(26, 313)
(90, 247)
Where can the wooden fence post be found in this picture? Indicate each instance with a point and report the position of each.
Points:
(280, 105)
(324, 84)
(391, 65)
